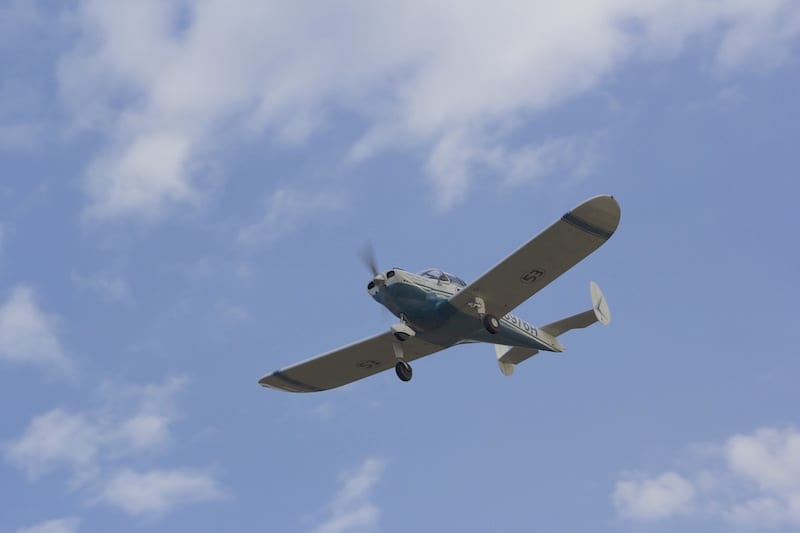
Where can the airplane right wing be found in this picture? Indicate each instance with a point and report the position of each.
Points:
(544, 258)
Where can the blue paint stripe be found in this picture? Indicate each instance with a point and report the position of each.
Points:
(586, 226)
(296, 384)
(433, 290)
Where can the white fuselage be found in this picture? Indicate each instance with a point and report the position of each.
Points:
(422, 302)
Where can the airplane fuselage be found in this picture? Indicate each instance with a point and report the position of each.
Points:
(422, 302)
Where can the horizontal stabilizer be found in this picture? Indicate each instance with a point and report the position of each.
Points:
(507, 357)
(598, 313)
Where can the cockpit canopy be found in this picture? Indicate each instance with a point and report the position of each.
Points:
(435, 273)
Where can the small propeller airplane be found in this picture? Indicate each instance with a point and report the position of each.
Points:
(438, 310)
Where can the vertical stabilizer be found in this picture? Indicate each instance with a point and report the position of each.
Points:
(599, 305)
(507, 357)
(598, 313)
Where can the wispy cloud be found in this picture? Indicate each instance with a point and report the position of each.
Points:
(661, 497)
(93, 446)
(155, 492)
(351, 508)
(749, 480)
(57, 438)
(170, 88)
(29, 335)
(143, 177)
(286, 210)
(60, 525)
(457, 158)
(133, 420)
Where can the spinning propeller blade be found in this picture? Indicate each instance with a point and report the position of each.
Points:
(368, 256)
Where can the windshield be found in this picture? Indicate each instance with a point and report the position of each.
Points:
(434, 273)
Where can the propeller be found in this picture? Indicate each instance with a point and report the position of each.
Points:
(368, 256)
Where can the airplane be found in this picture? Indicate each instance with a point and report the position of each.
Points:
(438, 310)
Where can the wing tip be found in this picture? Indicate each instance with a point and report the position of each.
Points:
(599, 215)
(280, 381)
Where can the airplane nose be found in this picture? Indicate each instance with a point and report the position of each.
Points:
(377, 282)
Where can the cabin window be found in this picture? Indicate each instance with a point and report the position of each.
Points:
(434, 274)
(458, 281)
(438, 275)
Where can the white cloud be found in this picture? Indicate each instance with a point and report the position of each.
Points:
(154, 492)
(665, 496)
(456, 158)
(351, 508)
(61, 525)
(170, 86)
(763, 512)
(285, 211)
(28, 334)
(770, 459)
(749, 481)
(134, 422)
(146, 176)
(57, 438)
(567, 156)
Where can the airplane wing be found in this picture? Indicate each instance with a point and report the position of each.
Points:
(544, 258)
(345, 365)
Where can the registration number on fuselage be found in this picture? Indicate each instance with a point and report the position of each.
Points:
(521, 324)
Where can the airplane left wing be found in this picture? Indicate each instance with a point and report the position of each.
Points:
(345, 365)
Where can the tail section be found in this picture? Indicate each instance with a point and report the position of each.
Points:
(598, 313)
(599, 304)
(507, 357)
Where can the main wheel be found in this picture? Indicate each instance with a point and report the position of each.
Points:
(403, 371)
(491, 324)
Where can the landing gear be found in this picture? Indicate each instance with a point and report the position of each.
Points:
(403, 371)
(491, 324)
(402, 368)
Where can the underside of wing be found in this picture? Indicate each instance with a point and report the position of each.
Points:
(544, 258)
(347, 364)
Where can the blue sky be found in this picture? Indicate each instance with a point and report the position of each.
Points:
(185, 190)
